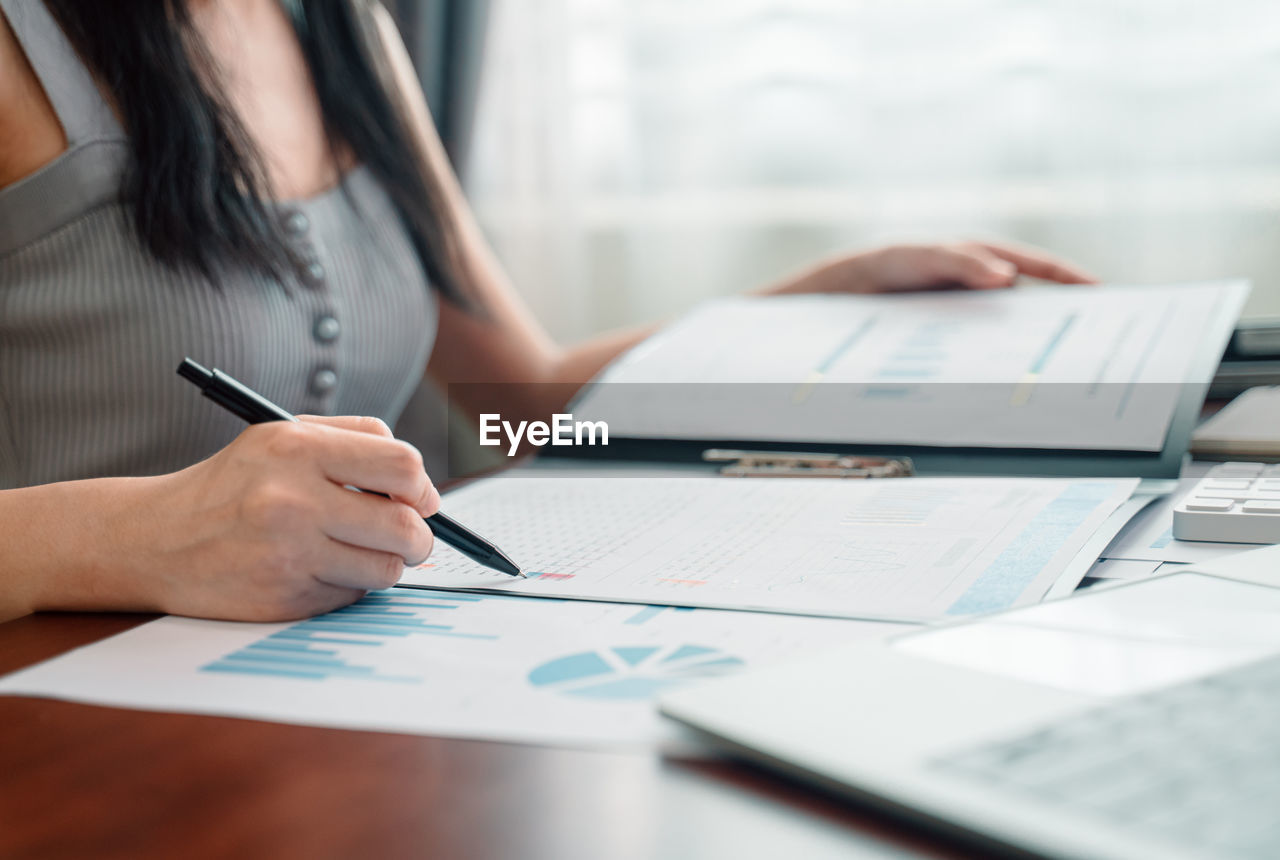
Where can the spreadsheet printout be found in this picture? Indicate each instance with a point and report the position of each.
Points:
(492, 667)
(1073, 368)
(913, 549)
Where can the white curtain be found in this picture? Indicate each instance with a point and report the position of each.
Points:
(634, 156)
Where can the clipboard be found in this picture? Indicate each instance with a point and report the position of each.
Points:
(797, 464)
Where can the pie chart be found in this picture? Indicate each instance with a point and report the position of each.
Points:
(630, 672)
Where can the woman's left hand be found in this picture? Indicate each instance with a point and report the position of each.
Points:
(954, 265)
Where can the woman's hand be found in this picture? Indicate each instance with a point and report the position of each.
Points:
(264, 530)
(957, 265)
(267, 529)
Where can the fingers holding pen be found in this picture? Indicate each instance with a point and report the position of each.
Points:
(361, 452)
(373, 523)
(358, 452)
(353, 567)
(299, 498)
(272, 522)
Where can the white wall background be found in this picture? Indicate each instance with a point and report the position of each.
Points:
(634, 156)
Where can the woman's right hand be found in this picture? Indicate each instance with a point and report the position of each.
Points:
(267, 530)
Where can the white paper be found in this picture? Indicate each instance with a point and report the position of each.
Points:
(1124, 568)
(492, 667)
(1056, 368)
(912, 549)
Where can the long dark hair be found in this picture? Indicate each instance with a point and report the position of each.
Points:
(196, 181)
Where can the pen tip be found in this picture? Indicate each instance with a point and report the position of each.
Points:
(500, 561)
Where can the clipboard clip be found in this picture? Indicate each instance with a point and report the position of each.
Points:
(794, 464)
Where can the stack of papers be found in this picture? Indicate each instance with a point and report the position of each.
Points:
(1145, 545)
(640, 583)
(468, 654)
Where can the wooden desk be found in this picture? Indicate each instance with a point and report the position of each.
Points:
(77, 781)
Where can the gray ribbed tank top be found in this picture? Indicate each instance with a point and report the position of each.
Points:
(92, 327)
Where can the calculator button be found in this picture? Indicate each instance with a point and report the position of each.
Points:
(1226, 485)
(1204, 493)
(1237, 468)
(1200, 504)
(1261, 507)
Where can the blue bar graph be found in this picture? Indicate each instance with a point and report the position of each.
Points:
(316, 649)
(1042, 359)
(922, 355)
(845, 345)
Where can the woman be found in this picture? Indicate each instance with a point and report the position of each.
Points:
(256, 183)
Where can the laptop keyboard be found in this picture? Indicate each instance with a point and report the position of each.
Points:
(1197, 764)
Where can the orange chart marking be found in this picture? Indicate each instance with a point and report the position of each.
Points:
(685, 581)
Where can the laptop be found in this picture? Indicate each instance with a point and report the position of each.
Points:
(1137, 720)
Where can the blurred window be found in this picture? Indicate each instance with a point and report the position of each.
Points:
(633, 156)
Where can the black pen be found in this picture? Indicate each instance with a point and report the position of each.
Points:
(239, 399)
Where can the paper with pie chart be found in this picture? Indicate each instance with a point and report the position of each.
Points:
(904, 549)
(631, 671)
(438, 663)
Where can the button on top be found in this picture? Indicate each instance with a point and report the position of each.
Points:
(326, 329)
(313, 274)
(323, 381)
(296, 223)
(1226, 485)
(1197, 504)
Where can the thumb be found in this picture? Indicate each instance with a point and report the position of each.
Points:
(974, 267)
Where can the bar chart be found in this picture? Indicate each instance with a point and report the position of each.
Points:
(333, 645)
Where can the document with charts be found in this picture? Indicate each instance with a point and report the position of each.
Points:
(908, 549)
(1073, 368)
(439, 663)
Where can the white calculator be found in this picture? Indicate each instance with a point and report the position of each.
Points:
(1235, 503)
